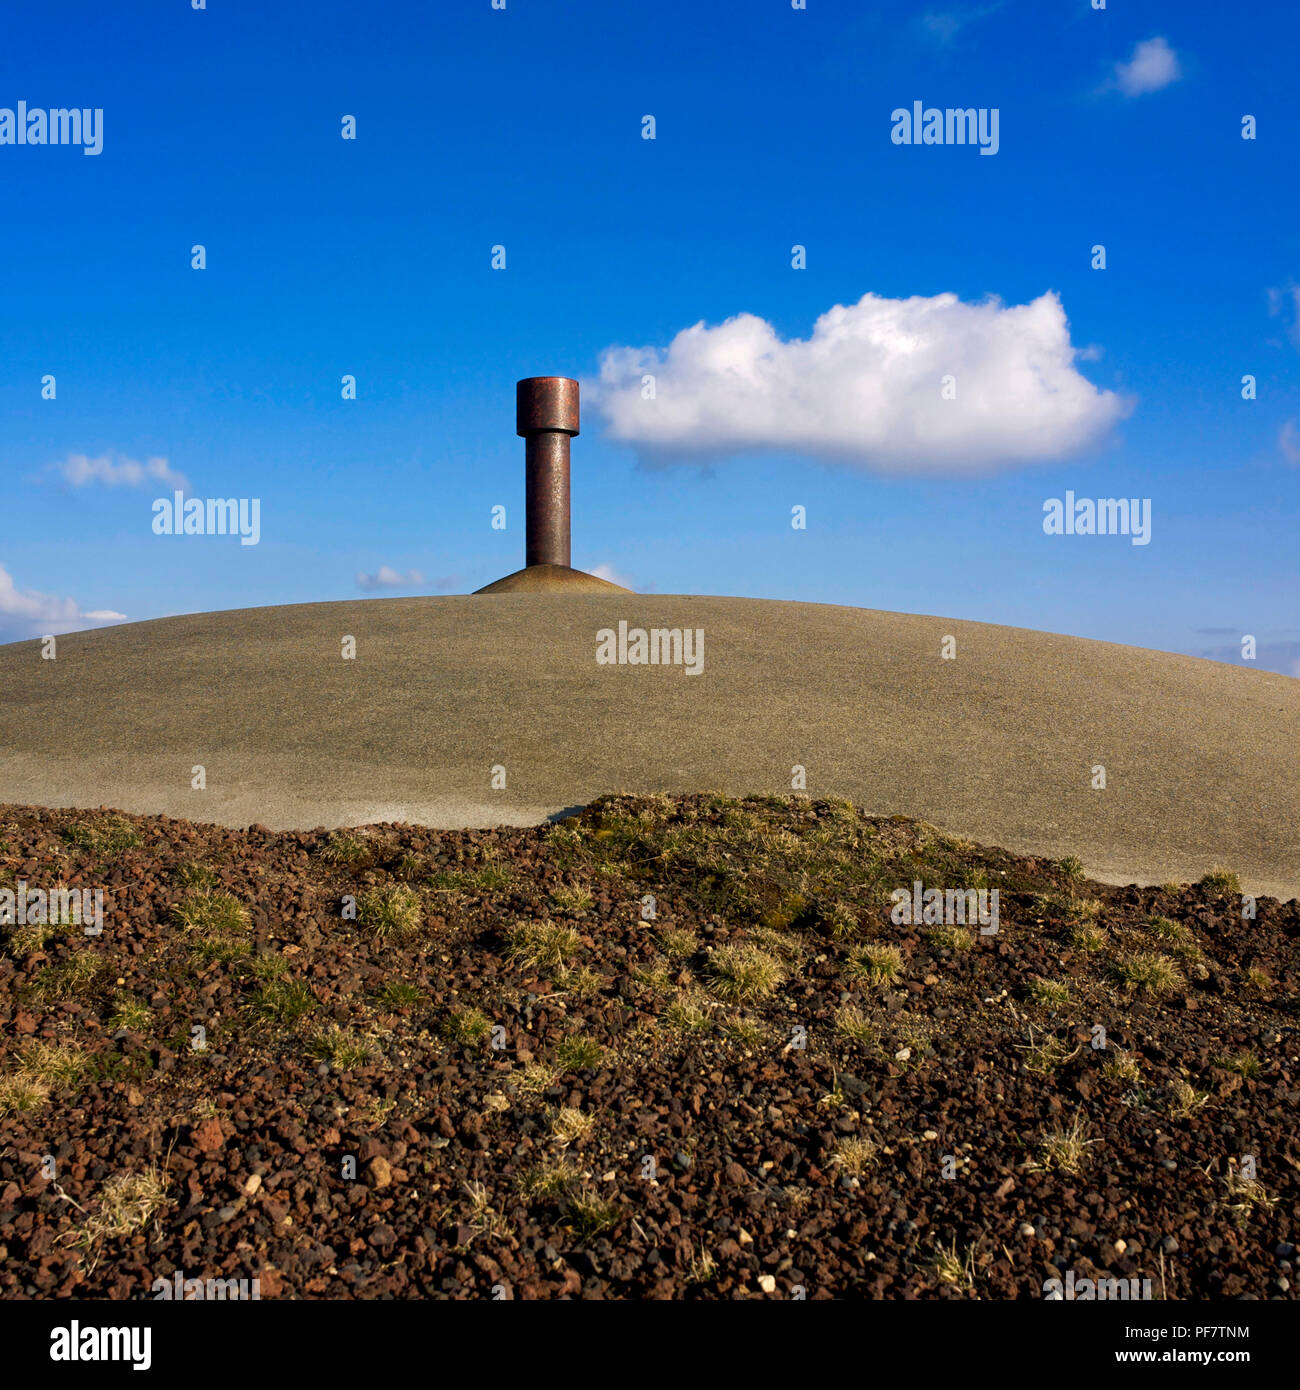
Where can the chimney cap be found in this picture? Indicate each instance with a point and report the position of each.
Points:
(546, 403)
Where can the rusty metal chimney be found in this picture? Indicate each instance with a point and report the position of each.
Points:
(546, 414)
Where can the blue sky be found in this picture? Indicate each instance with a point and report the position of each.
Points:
(523, 127)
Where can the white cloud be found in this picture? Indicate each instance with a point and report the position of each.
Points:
(1153, 65)
(610, 574)
(866, 388)
(945, 25)
(1288, 440)
(80, 471)
(388, 578)
(26, 613)
(1286, 303)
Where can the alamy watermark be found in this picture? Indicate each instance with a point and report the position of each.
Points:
(179, 1288)
(1107, 516)
(21, 906)
(77, 1343)
(934, 907)
(951, 125)
(1072, 1290)
(657, 646)
(82, 126)
(179, 515)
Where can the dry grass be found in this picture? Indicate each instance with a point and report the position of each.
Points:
(743, 972)
(857, 1027)
(1184, 1099)
(1066, 1150)
(103, 836)
(1221, 880)
(211, 914)
(467, 1026)
(541, 945)
(127, 1203)
(1246, 1064)
(341, 1047)
(950, 1266)
(1047, 1056)
(579, 1053)
(854, 1155)
(1166, 929)
(130, 1013)
(570, 1125)
(677, 943)
(950, 938)
(571, 899)
(1244, 1194)
(1051, 993)
(1088, 938)
(878, 965)
(1148, 973)
(79, 974)
(1122, 1066)
(391, 913)
(587, 1214)
(345, 849)
(688, 1013)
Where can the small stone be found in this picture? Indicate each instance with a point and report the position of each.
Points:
(902, 1054)
(208, 1136)
(1121, 1246)
(1169, 1245)
(379, 1173)
(1283, 1284)
(767, 1283)
(930, 1134)
(744, 1237)
(1026, 1229)
(225, 1214)
(253, 1183)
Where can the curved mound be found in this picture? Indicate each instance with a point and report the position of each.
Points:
(999, 744)
(551, 579)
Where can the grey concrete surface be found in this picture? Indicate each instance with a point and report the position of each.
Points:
(998, 744)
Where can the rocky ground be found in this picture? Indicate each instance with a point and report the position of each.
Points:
(671, 1048)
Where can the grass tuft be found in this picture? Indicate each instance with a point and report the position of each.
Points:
(541, 945)
(391, 913)
(104, 836)
(1148, 973)
(1221, 880)
(742, 972)
(878, 965)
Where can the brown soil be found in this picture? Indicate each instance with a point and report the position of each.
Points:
(746, 1095)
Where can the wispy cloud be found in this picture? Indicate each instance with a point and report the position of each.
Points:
(28, 613)
(388, 578)
(1288, 440)
(80, 471)
(1285, 303)
(609, 573)
(946, 24)
(921, 385)
(1280, 656)
(1153, 65)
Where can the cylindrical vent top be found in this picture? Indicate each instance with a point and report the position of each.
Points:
(546, 403)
